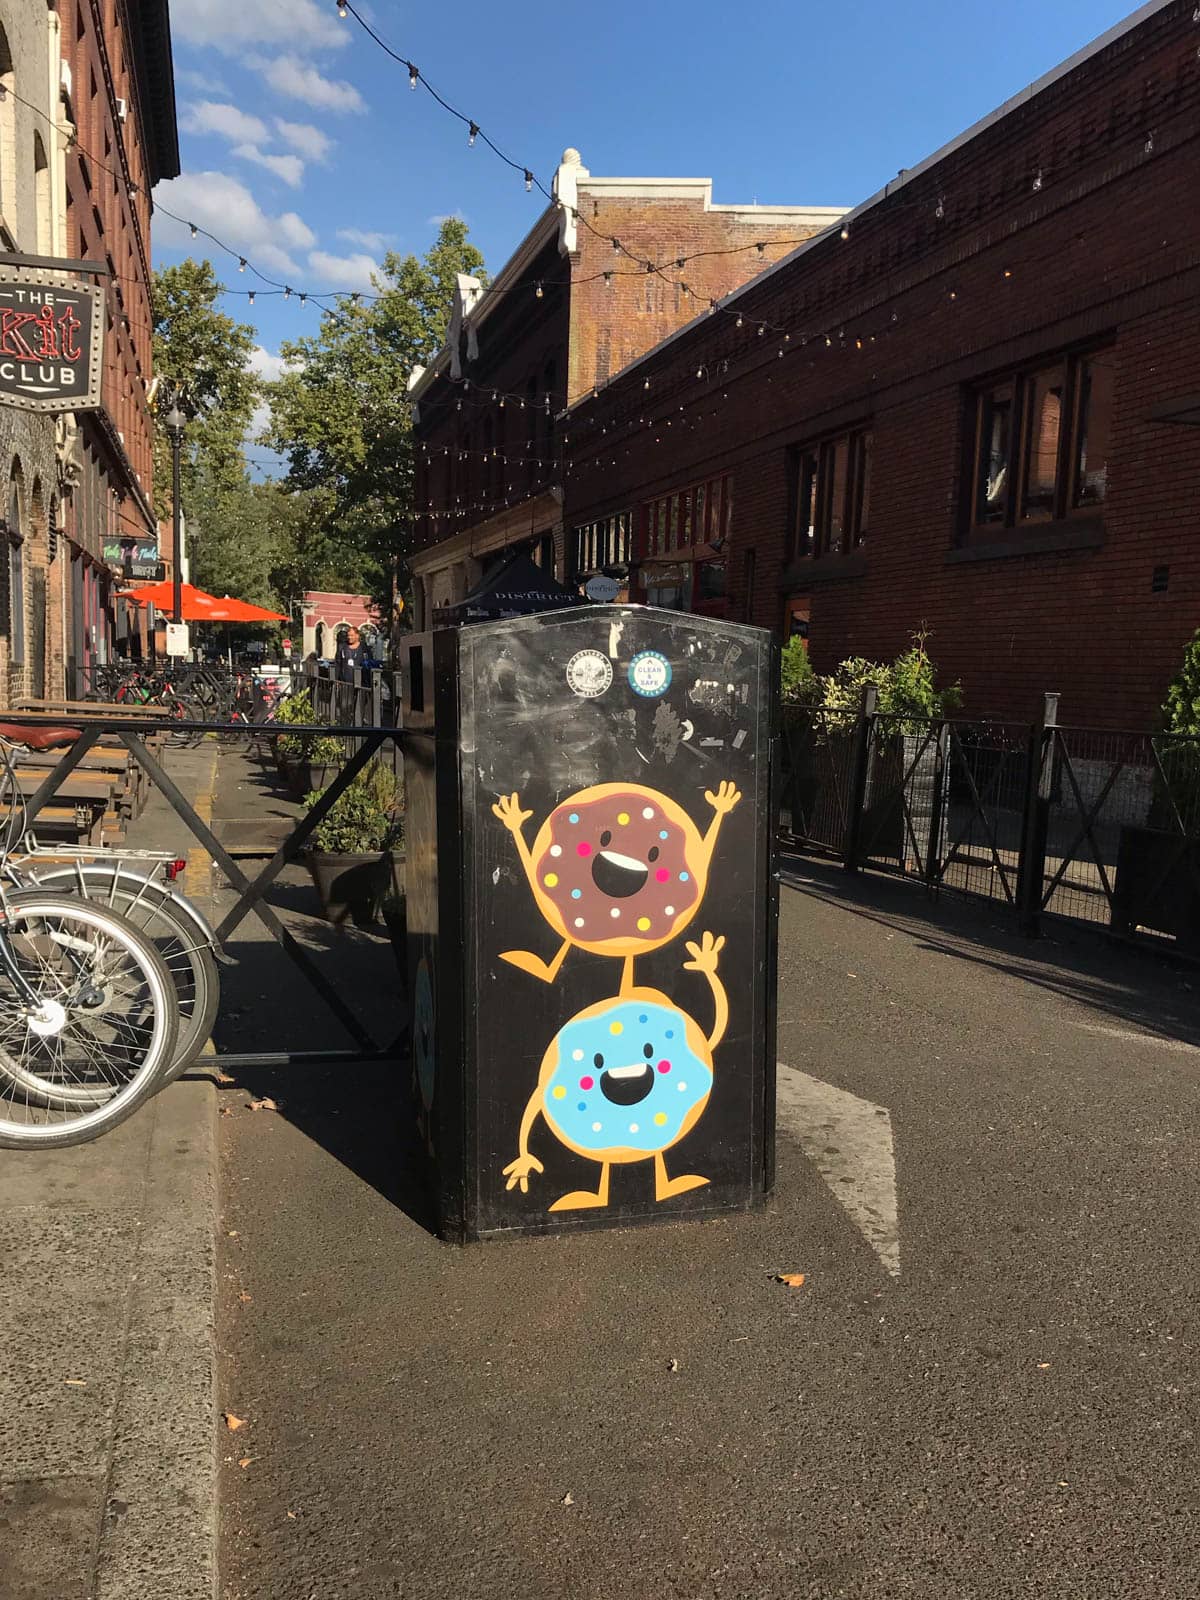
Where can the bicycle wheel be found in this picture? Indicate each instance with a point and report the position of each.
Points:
(179, 940)
(93, 1047)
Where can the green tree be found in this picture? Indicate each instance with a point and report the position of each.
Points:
(202, 354)
(341, 416)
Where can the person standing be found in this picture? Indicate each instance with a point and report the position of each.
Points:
(350, 656)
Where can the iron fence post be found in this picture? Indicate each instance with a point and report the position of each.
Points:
(1039, 788)
(860, 768)
(933, 848)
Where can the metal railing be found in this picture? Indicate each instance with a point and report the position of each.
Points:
(1097, 826)
(132, 733)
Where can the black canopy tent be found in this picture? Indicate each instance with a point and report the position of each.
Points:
(516, 587)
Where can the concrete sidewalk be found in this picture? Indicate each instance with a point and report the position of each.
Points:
(107, 1389)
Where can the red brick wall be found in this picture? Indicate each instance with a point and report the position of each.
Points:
(615, 321)
(105, 223)
(1107, 244)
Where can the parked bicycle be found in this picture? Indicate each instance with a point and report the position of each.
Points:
(108, 979)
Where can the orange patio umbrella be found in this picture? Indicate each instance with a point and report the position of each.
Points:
(199, 606)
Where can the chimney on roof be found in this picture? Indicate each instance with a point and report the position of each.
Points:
(566, 192)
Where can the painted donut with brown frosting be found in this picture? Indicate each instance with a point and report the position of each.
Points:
(618, 869)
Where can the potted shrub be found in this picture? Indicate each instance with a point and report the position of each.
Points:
(354, 844)
(1158, 866)
(288, 749)
(315, 768)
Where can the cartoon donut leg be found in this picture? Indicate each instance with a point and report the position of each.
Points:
(584, 1200)
(665, 1187)
(534, 965)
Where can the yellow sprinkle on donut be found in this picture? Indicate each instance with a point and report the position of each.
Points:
(660, 1117)
(551, 880)
(559, 1092)
(643, 924)
(622, 817)
(616, 1027)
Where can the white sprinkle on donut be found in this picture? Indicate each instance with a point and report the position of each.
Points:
(633, 1127)
(579, 922)
(669, 911)
(648, 813)
(576, 1055)
(556, 849)
(616, 911)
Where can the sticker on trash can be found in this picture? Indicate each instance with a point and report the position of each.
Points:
(650, 674)
(589, 673)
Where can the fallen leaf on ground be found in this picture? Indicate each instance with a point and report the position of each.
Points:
(291, 1516)
(672, 1365)
(233, 1423)
(76, 1383)
(265, 1104)
(233, 1234)
(246, 1460)
(223, 1077)
(245, 1298)
(794, 1280)
(225, 1111)
(567, 1500)
(1043, 1366)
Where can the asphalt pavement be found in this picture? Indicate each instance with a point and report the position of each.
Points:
(986, 1385)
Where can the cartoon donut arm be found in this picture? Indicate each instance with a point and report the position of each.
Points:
(508, 809)
(518, 1171)
(723, 802)
(705, 956)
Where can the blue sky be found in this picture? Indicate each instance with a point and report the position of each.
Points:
(305, 150)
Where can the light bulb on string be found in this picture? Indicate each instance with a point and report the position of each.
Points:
(194, 229)
(341, 5)
(845, 233)
(241, 263)
(762, 328)
(528, 180)
(538, 293)
(250, 297)
(473, 134)
(939, 210)
(761, 248)
(1038, 181)
(738, 323)
(413, 74)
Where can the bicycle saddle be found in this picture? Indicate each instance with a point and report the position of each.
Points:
(37, 735)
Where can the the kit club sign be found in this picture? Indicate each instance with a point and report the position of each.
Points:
(51, 341)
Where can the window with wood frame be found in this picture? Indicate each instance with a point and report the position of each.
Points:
(700, 514)
(830, 496)
(1039, 441)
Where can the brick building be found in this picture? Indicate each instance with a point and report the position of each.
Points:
(573, 304)
(118, 94)
(965, 410)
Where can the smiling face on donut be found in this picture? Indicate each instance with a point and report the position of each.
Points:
(626, 1078)
(618, 869)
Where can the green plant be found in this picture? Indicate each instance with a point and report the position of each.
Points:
(1177, 789)
(906, 688)
(296, 708)
(365, 817)
(798, 683)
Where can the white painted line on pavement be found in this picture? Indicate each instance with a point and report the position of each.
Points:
(849, 1141)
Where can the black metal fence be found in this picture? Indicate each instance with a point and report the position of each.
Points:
(1096, 826)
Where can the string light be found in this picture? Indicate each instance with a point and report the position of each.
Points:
(473, 134)
(341, 5)
(250, 296)
(413, 75)
(1038, 180)
(241, 263)
(845, 233)
(194, 229)
(538, 293)
(528, 180)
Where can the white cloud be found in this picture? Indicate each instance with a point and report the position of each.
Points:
(201, 81)
(289, 168)
(289, 76)
(209, 116)
(228, 25)
(266, 364)
(302, 136)
(343, 272)
(215, 201)
(375, 242)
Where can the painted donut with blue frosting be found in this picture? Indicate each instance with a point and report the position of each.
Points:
(626, 1078)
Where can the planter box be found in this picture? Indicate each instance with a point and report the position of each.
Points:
(350, 885)
(1158, 885)
(305, 776)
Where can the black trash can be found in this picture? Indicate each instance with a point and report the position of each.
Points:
(592, 910)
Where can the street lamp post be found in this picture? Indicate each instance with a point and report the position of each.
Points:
(175, 421)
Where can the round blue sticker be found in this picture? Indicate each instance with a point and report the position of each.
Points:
(650, 674)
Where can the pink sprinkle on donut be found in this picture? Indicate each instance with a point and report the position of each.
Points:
(663, 875)
(587, 1082)
(664, 1066)
(584, 849)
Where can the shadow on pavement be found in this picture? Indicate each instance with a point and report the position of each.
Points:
(1133, 985)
